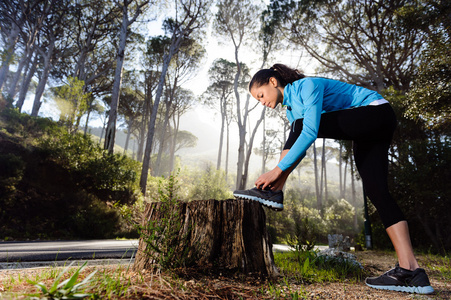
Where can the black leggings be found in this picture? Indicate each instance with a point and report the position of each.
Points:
(371, 130)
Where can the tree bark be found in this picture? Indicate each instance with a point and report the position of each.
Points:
(26, 82)
(47, 58)
(110, 134)
(8, 53)
(218, 235)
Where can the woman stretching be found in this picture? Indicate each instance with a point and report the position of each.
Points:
(326, 108)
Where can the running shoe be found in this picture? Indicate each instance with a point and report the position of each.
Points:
(269, 198)
(402, 280)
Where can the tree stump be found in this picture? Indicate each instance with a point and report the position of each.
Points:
(220, 235)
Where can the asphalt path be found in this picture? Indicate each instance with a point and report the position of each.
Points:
(67, 250)
(43, 253)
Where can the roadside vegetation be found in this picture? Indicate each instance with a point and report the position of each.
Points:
(302, 278)
(304, 273)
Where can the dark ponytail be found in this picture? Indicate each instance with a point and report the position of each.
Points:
(282, 73)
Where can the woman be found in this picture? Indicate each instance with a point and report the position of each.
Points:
(326, 108)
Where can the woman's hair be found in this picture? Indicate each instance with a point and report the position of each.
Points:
(282, 73)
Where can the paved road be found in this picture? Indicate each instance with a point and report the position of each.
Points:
(65, 250)
(15, 255)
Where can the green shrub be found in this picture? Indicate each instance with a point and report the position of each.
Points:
(110, 177)
(11, 172)
(66, 289)
(57, 185)
(163, 235)
(209, 184)
(341, 217)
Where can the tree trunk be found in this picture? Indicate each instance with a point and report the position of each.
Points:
(110, 133)
(127, 139)
(340, 171)
(176, 121)
(152, 122)
(217, 235)
(326, 196)
(315, 169)
(227, 150)
(25, 59)
(26, 82)
(157, 170)
(47, 57)
(249, 151)
(221, 136)
(8, 53)
(353, 190)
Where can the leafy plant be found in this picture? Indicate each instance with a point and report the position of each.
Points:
(164, 235)
(311, 267)
(67, 289)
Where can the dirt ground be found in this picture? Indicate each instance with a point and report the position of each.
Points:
(223, 287)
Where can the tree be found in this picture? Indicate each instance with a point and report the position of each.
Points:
(131, 108)
(91, 55)
(184, 100)
(191, 17)
(363, 42)
(153, 56)
(235, 20)
(53, 30)
(420, 160)
(130, 10)
(72, 103)
(15, 15)
(184, 64)
(218, 94)
(430, 96)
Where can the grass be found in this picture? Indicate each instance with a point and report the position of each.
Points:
(309, 267)
(299, 270)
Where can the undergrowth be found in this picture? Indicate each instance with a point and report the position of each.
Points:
(309, 267)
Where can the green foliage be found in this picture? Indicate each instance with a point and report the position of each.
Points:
(25, 126)
(311, 267)
(430, 96)
(300, 221)
(96, 170)
(72, 102)
(210, 184)
(57, 185)
(164, 236)
(419, 178)
(67, 289)
(305, 233)
(340, 216)
(109, 284)
(12, 169)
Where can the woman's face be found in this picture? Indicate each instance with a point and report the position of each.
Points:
(269, 94)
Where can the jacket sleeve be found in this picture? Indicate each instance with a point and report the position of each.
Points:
(311, 94)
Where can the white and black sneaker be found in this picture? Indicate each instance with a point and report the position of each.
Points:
(269, 198)
(402, 280)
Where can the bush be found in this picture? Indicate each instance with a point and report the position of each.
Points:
(57, 185)
(110, 177)
(210, 184)
(341, 217)
(162, 235)
(11, 173)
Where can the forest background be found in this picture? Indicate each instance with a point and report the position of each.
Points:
(167, 76)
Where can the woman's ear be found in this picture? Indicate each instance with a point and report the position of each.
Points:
(273, 81)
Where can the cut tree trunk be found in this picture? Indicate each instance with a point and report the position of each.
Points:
(220, 235)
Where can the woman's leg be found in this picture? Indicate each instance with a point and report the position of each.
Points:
(399, 236)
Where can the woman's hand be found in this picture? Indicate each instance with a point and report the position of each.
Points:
(270, 178)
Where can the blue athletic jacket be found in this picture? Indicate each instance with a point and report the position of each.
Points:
(308, 98)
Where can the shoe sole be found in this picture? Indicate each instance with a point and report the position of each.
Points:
(406, 289)
(270, 204)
